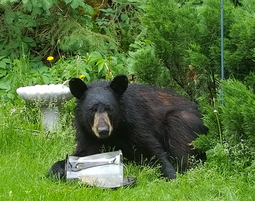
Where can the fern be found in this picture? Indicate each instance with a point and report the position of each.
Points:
(81, 40)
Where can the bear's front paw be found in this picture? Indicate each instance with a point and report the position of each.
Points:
(57, 170)
(170, 174)
(168, 171)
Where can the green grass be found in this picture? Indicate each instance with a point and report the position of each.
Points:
(26, 155)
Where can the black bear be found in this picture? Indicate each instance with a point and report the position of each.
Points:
(142, 121)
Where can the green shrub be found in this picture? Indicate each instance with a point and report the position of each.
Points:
(231, 127)
(80, 41)
(146, 66)
(186, 37)
(91, 67)
(238, 113)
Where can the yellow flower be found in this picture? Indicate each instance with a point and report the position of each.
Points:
(81, 76)
(50, 58)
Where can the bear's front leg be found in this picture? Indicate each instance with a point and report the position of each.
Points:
(57, 170)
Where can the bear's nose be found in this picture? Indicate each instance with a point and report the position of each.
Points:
(103, 131)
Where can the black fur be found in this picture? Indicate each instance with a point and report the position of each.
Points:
(57, 170)
(147, 121)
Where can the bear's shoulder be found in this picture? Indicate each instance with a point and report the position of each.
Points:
(155, 97)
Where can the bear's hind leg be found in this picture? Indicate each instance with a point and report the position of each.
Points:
(153, 148)
(182, 128)
(167, 168)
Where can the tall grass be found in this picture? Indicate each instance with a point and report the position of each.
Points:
(26, 154)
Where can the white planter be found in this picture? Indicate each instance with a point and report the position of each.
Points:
(49, 98)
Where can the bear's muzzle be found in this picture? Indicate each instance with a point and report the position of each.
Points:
(102, 127)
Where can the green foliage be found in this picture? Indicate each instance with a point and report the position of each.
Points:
(42, 27)
(52, 27)
(230, 140)
(146, 65)
(186, 39)
(121, 20)
(240, 52)
(163, 19)
(20, 74)
(91, 67)
(87, 42)
(238, 113)
(250, 81)
(218, 155)
(230, 160)
(232, 122)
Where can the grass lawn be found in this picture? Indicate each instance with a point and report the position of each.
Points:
(26, 155)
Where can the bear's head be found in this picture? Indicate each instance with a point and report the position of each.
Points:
(98, 104)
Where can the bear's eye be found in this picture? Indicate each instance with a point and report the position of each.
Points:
(92, 109)
(109, 109)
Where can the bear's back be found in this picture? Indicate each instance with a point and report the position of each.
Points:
(157, 99)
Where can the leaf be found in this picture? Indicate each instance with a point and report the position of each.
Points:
(5, 82)
(46, 79)
(2, 64)
(27, 40)
(124, 17)
(218, 153)
(43, 69)
(95, 57)
(47, 5)
(100, 65)
(88, 9)
(76, 3)
(36, 11)
(7, 61)
(68, 1)
(2, 72)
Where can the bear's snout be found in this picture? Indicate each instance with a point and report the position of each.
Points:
(103, 131)
(102, 127)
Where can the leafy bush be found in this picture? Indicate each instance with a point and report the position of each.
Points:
(238, 113)
(186, 37)
(231, 126)
(174, 28)
(91, 67)
(70, 27)
(42, 27)
(146, 65)
(89, 35)
(250, 81)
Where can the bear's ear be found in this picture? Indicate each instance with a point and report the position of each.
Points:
(77, 87)
(119, 84)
